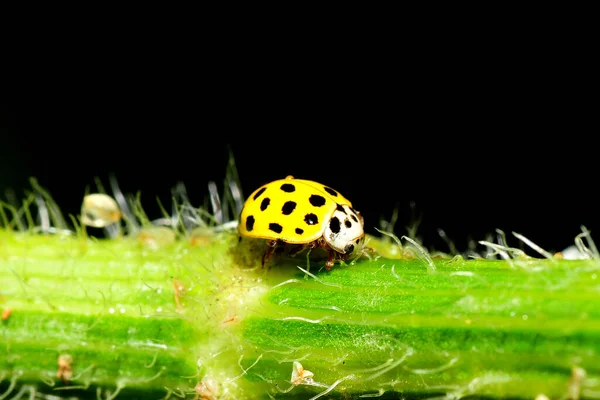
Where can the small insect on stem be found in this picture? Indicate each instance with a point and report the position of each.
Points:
(99, 210)
(65, 371)
(6, 313)
(301, 376)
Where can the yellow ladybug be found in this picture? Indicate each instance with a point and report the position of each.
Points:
(303, 212)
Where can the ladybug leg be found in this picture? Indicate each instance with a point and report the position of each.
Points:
(330, 253)
(272, 244)
(330, 260)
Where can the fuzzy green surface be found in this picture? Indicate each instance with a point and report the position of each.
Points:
(472, 327)
(108, 304)
(382, 328)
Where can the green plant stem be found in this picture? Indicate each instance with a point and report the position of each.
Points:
(155, 322)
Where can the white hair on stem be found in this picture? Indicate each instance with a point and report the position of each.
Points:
(215, 202)
(128, 216)
(317, 279)
(591, 251)
(533, 245)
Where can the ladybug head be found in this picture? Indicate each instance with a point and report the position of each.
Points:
(345, 230)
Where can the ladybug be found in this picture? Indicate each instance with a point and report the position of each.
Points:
(305, 213)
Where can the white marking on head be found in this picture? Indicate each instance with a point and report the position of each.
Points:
(345, 231)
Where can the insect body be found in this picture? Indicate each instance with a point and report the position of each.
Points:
(303, 212)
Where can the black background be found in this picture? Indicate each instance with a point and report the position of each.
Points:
(468, 148)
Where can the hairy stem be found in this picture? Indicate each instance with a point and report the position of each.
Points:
(197, 317)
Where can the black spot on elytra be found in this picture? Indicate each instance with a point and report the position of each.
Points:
(350, 248)
(311, 219)
(354, 217)
(348, 224)
(334, 225)
(299, 231)
(316, 200)
(249, 223)
(275, 227)
(340, 208)
(265, 203)
(288, 207)
(330, 191)
(257, 195)
(288, 187)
